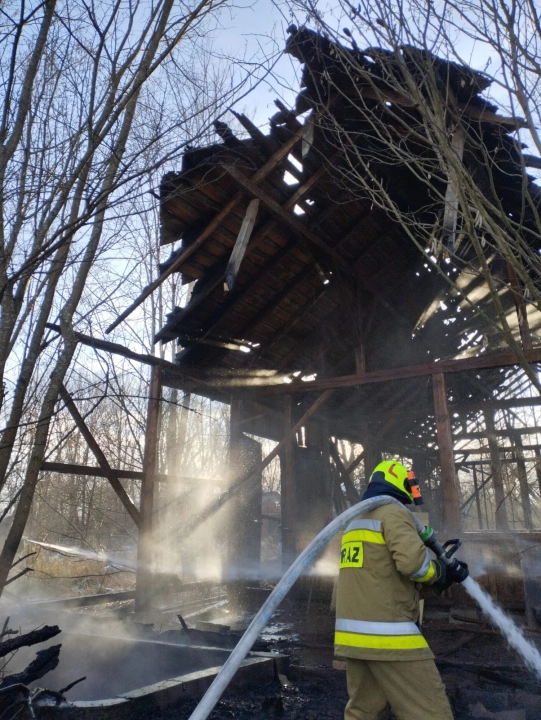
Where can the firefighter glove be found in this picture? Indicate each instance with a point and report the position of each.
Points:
(442, 581)
(447, 575)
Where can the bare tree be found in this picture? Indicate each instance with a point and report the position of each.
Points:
(96, 98)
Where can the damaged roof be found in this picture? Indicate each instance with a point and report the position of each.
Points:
(328, 282)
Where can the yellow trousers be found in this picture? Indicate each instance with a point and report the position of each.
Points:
(413, 689)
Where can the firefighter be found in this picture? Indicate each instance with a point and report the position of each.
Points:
(383, 563)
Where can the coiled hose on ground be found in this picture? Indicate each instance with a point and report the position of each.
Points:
(231, 665)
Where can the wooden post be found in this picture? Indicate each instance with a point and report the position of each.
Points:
(538, 467)
(477, 498)
(145, 551)
(360, 359)
(451, 507)
(523, 483)
(258, 469)
(502, 522)
(371, 453)
(243, 519)
(351, 491)
(287, 488)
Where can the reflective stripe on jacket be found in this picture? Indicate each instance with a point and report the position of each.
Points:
(377, 605)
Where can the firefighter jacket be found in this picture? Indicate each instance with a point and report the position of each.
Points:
(377, 602)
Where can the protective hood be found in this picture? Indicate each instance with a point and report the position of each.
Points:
(383, 488)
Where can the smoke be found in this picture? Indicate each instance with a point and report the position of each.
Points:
(115, 656)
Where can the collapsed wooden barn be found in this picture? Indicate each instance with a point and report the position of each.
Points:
(317, 318)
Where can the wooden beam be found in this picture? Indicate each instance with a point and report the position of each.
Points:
(87, 470)
(511, 432)
(451, 509)
(91, 471)
(241, 243)
(186, 375)
(354, 464)
(248, 184)
(473, 406)
(145, 544)
(100, 457)
(175, 266)
(215, 506)
(488, 360)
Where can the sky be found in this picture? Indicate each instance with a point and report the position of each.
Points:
(254, 30)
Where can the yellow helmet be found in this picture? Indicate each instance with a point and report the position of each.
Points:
(397, 474)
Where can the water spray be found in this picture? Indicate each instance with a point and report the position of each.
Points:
(444, 552)
(501, 621)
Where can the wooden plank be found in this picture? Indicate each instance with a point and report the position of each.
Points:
(481, 362)
(451, 509)
(145, 544)
(100, 457)
(241, 243)
(175, 266)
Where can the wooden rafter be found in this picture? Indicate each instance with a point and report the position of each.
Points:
(250, 186)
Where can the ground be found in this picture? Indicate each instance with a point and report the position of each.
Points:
(484, 679)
